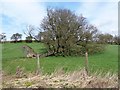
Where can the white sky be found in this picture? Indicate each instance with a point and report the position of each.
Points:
(16, 14)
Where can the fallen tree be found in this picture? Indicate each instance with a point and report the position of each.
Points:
(30, 53)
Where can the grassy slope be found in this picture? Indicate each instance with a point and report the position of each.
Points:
(12, 57)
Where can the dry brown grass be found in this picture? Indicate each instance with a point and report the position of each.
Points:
(59, 79)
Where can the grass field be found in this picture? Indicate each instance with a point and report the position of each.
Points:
(12, 56)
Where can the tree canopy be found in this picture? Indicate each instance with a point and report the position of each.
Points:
(65, 33)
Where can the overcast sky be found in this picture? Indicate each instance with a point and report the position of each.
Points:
(16, 14)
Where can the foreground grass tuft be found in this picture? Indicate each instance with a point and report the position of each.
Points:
(58, 79)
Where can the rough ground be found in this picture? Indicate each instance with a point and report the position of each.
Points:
(59, 79)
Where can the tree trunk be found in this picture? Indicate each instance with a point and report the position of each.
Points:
(86, 63)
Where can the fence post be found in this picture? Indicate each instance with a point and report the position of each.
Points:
(38, 63)
(86, 63)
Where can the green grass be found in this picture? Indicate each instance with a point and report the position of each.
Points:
(12, 56)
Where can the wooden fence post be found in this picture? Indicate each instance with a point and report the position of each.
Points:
(38, 63)
(86, 63)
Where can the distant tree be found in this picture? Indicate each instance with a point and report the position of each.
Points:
(116, 39)
(39, 37)
(101, 38)
(119, 39)
(109, 38)
(105, 38)
(28, 39)
(2, 37)
(16, 37)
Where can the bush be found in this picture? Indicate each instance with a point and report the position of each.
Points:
(96, 48)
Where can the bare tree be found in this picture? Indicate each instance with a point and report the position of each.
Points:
(116, 39)
(30, 33)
